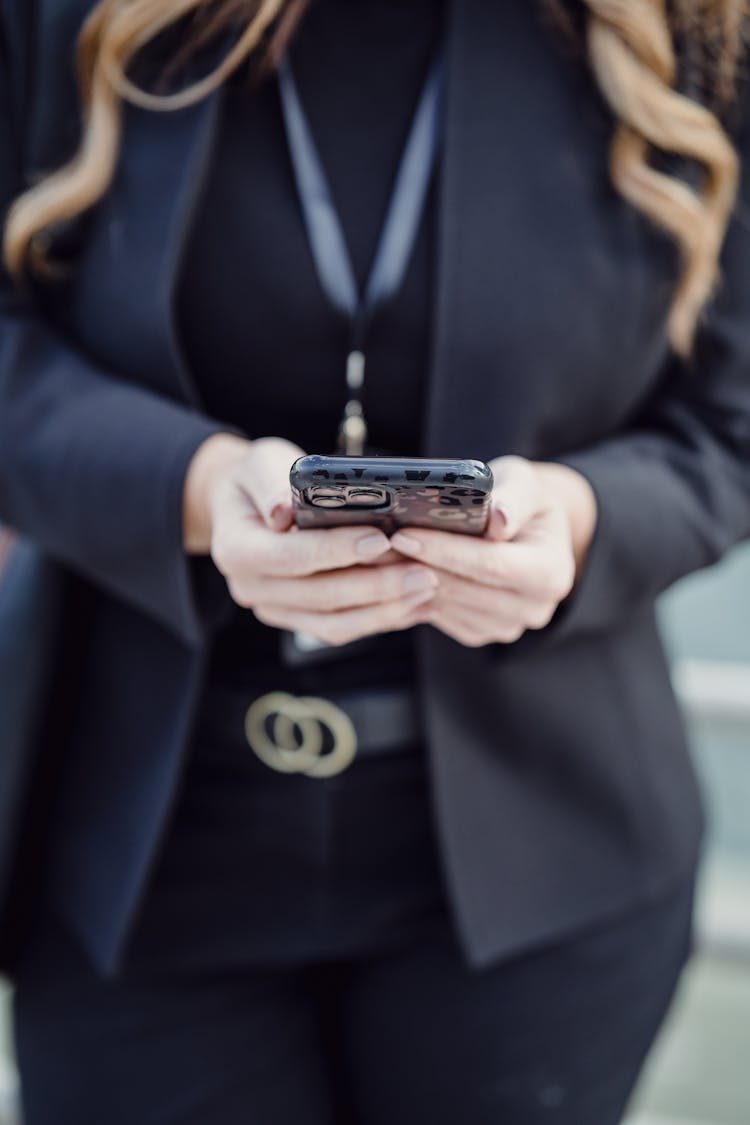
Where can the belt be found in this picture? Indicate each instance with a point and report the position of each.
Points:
(318, 736)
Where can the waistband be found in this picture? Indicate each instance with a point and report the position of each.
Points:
(316, 735)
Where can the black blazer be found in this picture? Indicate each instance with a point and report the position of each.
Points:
(563, 790)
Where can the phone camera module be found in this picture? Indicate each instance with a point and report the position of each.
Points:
(347, 496)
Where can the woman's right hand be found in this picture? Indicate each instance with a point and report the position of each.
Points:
(321, 582)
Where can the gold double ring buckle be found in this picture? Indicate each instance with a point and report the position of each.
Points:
(287, 732)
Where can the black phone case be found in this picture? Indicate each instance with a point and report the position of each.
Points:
(391, 492)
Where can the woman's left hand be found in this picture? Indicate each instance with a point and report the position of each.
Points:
(494, 588)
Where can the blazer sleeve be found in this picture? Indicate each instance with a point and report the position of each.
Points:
(673, 488)
(92, 466)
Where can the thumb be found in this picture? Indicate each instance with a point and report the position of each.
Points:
(516, 498)
(264, 477)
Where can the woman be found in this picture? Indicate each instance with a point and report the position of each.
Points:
(483, 918)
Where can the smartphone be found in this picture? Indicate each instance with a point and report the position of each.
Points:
(392, 492)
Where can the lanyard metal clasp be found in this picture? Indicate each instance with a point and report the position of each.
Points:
(352, 436)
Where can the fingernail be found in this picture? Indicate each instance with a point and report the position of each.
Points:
(406, 543)
(372, 545)
(419, 580)
(497, 526)
(280, 516)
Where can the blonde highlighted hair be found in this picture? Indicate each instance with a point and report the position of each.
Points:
(632, 49)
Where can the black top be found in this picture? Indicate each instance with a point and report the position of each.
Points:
(267, 349)
(269, 353)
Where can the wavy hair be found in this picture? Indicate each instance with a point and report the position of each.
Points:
(635, 48)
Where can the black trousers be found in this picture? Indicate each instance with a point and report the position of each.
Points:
(295, 964)
(556, 1037)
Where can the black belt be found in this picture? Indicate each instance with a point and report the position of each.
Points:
(315, 735)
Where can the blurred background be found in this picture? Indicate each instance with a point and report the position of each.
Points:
(699, 1071)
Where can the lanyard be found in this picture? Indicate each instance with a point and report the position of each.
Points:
(396, 239)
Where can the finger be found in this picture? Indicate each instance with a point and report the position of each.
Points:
(548, 537)
(389, 557)
(537, 562)
(339, 589)
(246, 549)
(516, 497)
(263, 476)
(498, 608)
(466, 593)
(469, 626)
(348, 624)
(469, 556)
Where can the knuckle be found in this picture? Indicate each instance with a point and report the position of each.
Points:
(560, 590)
(264, 614)
(241, 594)
(337, 634)
(513, 471)
(517, 463)
(568, 578)
(347, 637)
(485, 637)
(510, 633)
(327, 629)
(541, 615)
(425, 613)
(473, 639)
(322, 632)
(550, 578)
(459, 631)
(562, 582)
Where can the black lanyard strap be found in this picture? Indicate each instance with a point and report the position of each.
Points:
(398, 233)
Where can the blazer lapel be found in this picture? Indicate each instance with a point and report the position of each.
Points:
(127, 319)
(498, 188)
(470, 172)
(127, 284)
(119, 303)
(541, 269)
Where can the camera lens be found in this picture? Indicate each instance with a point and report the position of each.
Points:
(367, 497)
(323, 498)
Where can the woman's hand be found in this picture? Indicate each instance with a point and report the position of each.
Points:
(321, 582)
(495, 588)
